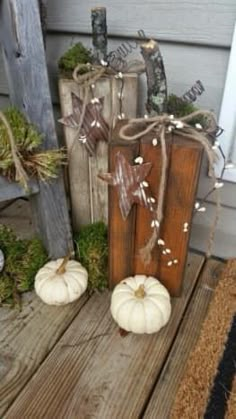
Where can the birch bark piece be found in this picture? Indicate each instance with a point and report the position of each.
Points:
(156, 77)
(2, 260)
(99, 33)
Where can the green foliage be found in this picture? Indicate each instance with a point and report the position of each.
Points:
(77, 54)
(178, 107)
(23, 259)
(92, 252)
(43, 164)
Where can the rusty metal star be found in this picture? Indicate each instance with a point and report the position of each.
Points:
(130, 183)
(93, 127)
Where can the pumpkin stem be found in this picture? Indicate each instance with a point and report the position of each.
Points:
(62, 268)
(140, 292)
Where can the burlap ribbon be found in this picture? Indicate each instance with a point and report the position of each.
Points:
(21, 175)
(162, 125)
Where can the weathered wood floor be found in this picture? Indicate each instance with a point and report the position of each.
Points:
(70, 362)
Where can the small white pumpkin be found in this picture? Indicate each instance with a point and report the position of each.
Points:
(140, 304)
(2, 260)
(61, 281)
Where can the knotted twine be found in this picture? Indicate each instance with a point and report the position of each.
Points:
(161, 125)
(92, 75)
(21, 175)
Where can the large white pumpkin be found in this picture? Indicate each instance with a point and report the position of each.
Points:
(61, 281)
(140, 304)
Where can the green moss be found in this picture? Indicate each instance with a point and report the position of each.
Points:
(42, 164)
(77, 54)
(178, 107)
(92, 252)
(23, 258)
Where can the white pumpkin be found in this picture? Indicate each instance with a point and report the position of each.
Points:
(61, 281)
(140, 304)
(2, 260)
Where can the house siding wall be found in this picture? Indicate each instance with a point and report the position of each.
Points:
(195, 39)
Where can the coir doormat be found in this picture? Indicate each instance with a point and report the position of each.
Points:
(208, 387)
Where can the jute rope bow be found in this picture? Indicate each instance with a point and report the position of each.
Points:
(21, 175)
(161, 125)
(90, 77)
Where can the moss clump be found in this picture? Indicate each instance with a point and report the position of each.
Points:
(23, 259)
(42, 164)
(77, 54)
(92, 252)
(178, 107)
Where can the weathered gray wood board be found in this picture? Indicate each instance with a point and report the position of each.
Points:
(204, 21)
(96, 373)
(18, 217)
(23, 50)
(26, 338)
(162, 398)
(89, 195)
(11, 190)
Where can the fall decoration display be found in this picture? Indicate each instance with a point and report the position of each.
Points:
(23, 259)
(140, 304)
(61, 281)
(20, 155)
(91, 246)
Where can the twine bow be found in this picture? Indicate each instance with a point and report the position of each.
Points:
(161, 125)
(21, 175)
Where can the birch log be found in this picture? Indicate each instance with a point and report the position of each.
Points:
(156, 77)
(99, 32)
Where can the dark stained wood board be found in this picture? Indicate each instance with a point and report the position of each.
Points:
(143, 229)
(121, 232)
(160, 403)
(184, 169)
(93, 372)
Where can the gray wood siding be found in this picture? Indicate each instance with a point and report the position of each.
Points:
(195, 39)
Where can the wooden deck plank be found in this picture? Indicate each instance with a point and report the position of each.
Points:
(93, 372)
(26, 337)
(163, 396)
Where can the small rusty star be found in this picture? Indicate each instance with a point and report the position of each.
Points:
(93, 126)
(130, 183)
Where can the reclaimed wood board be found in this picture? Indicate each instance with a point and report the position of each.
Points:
(12, 190)
(160, 403)
(26, 338)
(184, 169)
(121, 232)
(89, 196)
(26, 71)
(143, 228)
(94, 372)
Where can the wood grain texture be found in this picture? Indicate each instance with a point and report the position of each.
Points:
(21, 36)
(143, 228)
(121, 232)
(89, 196)
(163, 396)
(96, 373)
(11, 190)
(184, 167)
(26, 338)
(169, 20)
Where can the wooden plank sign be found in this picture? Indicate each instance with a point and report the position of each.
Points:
(89, 196)
(127, 237)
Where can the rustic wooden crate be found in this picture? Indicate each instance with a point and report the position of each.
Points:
(89, 197)
(127, 237)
